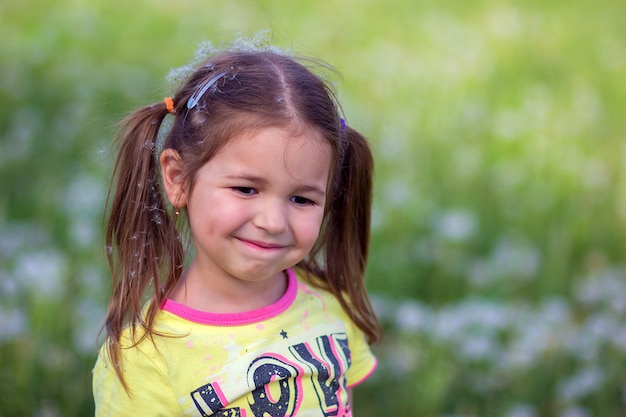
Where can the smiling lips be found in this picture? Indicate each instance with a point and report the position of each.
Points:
(257, 244)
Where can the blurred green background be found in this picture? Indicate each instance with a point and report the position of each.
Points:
(498, 251)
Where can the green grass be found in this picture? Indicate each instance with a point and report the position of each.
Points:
(500, 189)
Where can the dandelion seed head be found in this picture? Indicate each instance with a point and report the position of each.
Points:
(83, 197)
(504, 22)
(13, 323)
(584, 382)
(478, 348)
(83, 232)
(619, 339)
(602, 288)
(522, 410)
(412, 316)
(382, 306)
(9, 286)
(89, 318)
(455, 225)
(600, 326)
(596, 174)
(206, 49)
(42, 272)
(510, 260)
(398, 192)
(581, 346)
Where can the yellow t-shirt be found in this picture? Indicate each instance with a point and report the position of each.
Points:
(297, 356)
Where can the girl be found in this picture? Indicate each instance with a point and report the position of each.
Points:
(270, 317)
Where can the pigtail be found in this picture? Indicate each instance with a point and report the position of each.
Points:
(141, 237)
(348, 232)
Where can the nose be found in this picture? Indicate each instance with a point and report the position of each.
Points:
(271, 216)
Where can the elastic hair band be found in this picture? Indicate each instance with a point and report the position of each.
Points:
(197, 95)
(343, 123)
(169, 105)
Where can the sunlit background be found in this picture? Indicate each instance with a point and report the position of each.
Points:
(499, 227)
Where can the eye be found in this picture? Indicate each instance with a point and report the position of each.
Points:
(301, 201)
(245, 190)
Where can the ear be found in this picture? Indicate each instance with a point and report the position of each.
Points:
(173, 178)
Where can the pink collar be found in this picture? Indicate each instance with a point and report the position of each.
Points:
(237, 319)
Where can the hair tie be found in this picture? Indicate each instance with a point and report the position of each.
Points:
(169, 105)
(343, 123)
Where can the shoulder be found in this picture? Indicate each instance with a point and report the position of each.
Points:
(313, 287)
(137, 350)
(324, 312)
(140, 348)
(307, 281)
(147, 391)
(320, 301)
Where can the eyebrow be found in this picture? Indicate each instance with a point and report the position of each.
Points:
(262, 181)
(312, 189)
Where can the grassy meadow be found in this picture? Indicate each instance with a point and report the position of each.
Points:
(499, 227)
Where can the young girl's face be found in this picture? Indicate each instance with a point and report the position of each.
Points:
(257, 206)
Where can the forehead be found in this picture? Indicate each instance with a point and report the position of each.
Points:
(288, 139)
(275, 148)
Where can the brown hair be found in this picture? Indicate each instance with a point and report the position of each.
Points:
(243, 90)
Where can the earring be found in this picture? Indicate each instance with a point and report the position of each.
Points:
(177, 212)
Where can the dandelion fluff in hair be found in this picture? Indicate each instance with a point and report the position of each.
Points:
(206, 49)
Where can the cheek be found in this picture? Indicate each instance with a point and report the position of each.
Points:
(310, 229)
(214, 210)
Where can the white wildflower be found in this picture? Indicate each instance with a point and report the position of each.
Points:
(412, 316)
(42, 272)
(522, 410)
(575, 412)
(584, 382)
(13, 323)
(456, 225)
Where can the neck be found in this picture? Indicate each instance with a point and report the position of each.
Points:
(226, 295)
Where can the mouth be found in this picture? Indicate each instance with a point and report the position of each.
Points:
(258, 244)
